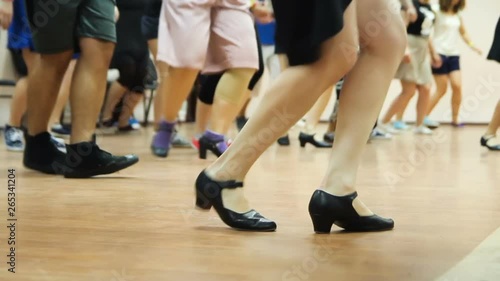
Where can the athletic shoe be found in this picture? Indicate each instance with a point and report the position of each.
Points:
(14, 138)
(423, 130)
(59, 143)
(378, 134)
(61, 130)
(179, 141)
(431, 124)
(400, 125)
(134, 123)
(41, 154)
(386, 128)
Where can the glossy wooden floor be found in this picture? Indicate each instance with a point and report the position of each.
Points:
(140, 224)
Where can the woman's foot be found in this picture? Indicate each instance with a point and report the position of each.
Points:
(491, 142)
(346, 212)
(400, 125)
(431, 124)
(227, 199)
(61, 130)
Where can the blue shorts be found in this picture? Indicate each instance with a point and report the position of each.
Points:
(19, 31)
(450, 64)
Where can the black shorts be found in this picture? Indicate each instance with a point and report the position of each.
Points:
(303, 26)
(133, 68)
(450, 64)
(494, 53)
(149, 27)
(56, 27)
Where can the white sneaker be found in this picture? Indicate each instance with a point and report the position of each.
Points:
(423, 130)
(387, 128)
(380, 135)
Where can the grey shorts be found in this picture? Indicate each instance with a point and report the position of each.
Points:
(58, 24)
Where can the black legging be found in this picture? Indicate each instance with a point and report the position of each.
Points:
(133, 68)
(209, 82)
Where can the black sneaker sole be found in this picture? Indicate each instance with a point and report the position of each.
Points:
(106, 170)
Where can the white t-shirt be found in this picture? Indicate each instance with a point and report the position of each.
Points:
(446, 37)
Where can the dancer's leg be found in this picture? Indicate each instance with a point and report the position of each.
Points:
(401, 101)
(441, 87)
(456, 98)
(314, 114)
(363, 101)
(424, 94)
(495, 122)
(115, 94)
(20, 98)
(130, 101)
(293, 93)
(62, 98)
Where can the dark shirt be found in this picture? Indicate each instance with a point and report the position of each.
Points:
(153, 8)
(425, 20)
(128, 28)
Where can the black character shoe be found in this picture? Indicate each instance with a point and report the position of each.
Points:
(86, 159)
(209, 193)
(42, 155)
(217, 147)
(329, 137)
(326, 209)
(284, 141)
(488, 139)
(305, 138)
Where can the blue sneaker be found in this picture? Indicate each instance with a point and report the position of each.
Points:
(134, 123)
(400, 125)
(61, 130)
(14, 138)
(59, 143)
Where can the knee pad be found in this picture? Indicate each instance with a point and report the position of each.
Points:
(208, 86)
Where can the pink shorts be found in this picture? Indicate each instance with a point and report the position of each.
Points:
(210, 35)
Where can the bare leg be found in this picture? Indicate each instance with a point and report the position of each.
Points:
(293, 93)
(115, 94)
(314, 115)
(456, 98)
(424, 93)
(44, 84)
(88, 87)
(441, 87)
(401, 101)
(495, 122)
(62, 98)
(20, 98)
(363, 101)
(130, 101)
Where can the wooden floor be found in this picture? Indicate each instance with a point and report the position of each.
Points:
(140, 224)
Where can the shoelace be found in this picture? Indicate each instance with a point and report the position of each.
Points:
(14, 135)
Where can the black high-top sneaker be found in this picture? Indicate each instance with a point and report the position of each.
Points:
(86, 159)
(42, 155)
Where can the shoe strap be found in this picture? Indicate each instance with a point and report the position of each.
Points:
(230, 184)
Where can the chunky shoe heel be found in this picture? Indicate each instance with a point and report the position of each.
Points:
(209, 193)
(202, 152)
(207, 144)
(303, 143)
(322, 224)
(326, 209)
(202, 202)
